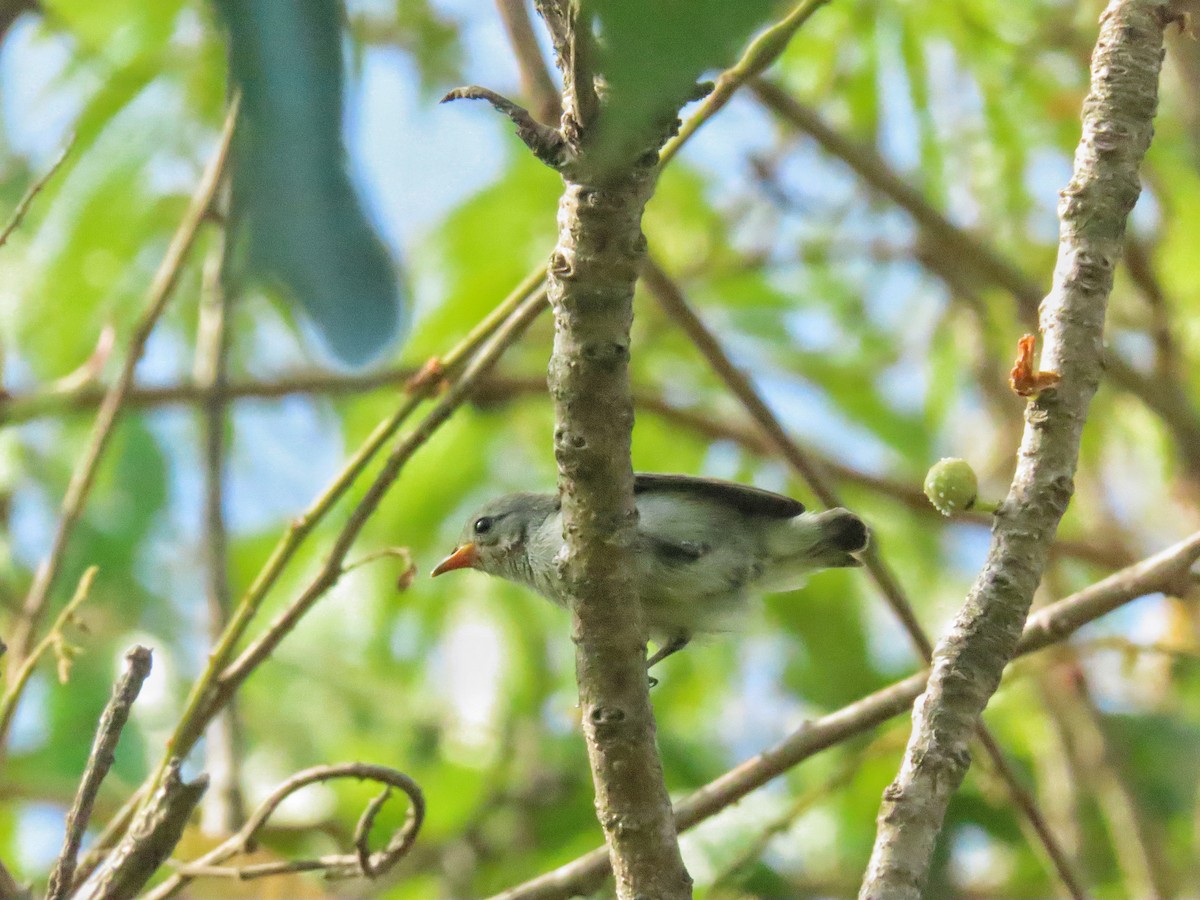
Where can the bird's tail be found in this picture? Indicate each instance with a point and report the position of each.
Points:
(814, 541)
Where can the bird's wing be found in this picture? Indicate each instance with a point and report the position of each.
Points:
(746, 499)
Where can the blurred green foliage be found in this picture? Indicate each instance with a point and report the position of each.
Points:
(814, 284)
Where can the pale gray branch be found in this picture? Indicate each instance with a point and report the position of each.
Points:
(1165, 571)
(969, 661)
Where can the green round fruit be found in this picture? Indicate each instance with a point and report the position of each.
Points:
(951, 486)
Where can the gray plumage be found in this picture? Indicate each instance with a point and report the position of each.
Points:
(703, 547)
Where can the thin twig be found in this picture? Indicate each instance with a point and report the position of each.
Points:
(1162, 572)
(100, 760)
(222, 811)
(498, 388)
(946, 241)
(1136, 850)
(12, 696)
(674, 304)
(200, 706)
(84, 474)
(969, 662)
(762, 52)
(536, 83)
(36, 188)
(349, 865)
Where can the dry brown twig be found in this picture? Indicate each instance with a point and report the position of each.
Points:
(361, 863)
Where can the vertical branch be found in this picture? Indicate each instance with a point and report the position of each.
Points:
(222, 810)
(37, 601)
(592, 274)
(536, 84)
(968, 663)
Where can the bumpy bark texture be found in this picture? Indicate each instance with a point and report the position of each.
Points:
(1117, 117)
(590, 283)
(592, 274)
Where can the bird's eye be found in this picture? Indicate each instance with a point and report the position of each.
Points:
(483, 526)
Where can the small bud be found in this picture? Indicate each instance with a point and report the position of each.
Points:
(951, 486)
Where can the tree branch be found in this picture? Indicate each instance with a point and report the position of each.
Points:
(100, 760)
(536, 83)
(361, 863)
(1166, 571)
(222, 811)
(971, 658)
(36, 188)
(671, 299)
(37, 600)
(496, 389)
(151, 837)
(949, 242)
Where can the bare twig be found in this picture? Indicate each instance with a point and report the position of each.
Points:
(12, 696)
(536, 83)
(671, 299)
(1135, 848)
(151, 837)
(946, 241)
(222, 811)
(207, 696)
(347, 865)
(762, 52)
(38, 599)
(36, 188)
(100, 760)
(497, 388)
(1164, 571)
(970, 660)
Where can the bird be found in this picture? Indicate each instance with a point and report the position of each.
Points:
(702, 548)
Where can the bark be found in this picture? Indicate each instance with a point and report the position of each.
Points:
(590, 282)
(968, 663)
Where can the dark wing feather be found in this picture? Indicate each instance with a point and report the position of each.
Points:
(750, 500)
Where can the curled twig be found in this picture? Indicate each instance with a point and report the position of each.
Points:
(360, 863)
(546, 143)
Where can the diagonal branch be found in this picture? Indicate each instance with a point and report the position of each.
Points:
(100, 760)
(671, 299)
(1165, 571)
(969, 661)
(954, 250)
(82, 478)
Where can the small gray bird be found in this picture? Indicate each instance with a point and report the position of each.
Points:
(702, 547)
